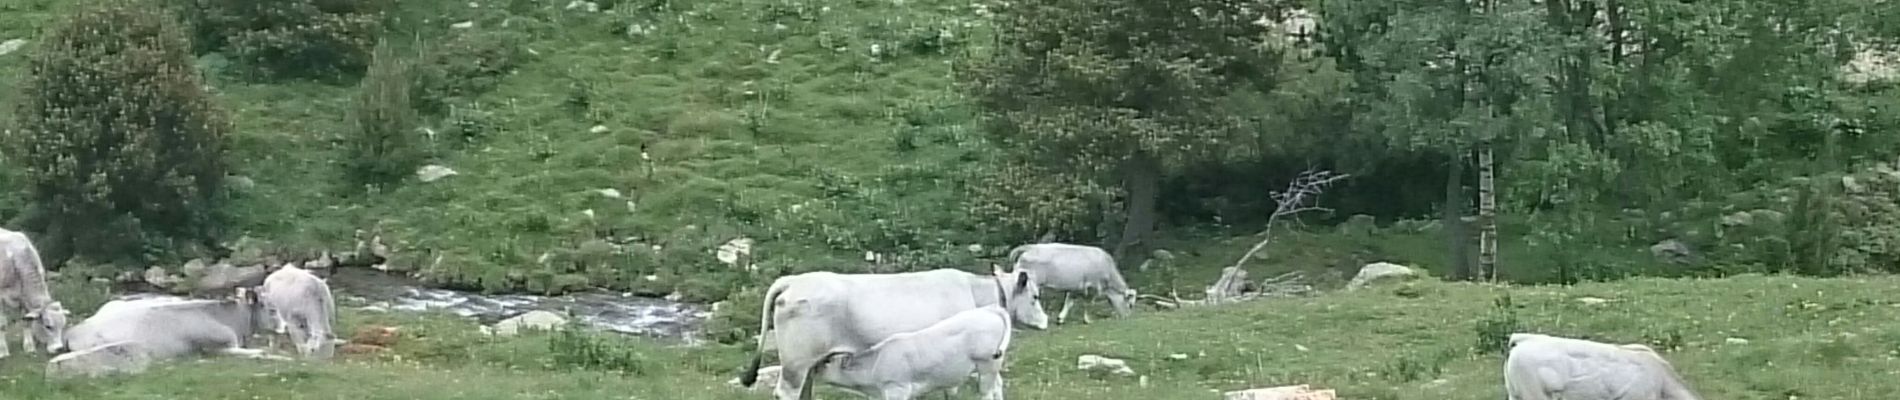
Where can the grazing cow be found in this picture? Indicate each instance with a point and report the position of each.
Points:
(303, 309)
(162, 328)
(907, 365)
(1073, 268)
(814, 314)
(1544, 367)
(23, 290)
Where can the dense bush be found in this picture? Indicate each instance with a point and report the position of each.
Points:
(291, 38)
(465, 65)
(384, 145)
(122, 147)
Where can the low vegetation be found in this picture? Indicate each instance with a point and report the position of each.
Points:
(1824, 338)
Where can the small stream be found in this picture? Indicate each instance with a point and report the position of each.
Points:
(372, 290)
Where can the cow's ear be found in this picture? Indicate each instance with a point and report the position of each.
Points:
(1022, 281)
(31, 315)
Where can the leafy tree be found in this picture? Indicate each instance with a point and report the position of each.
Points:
(384, 146)
(121, 145)
(1121, 90)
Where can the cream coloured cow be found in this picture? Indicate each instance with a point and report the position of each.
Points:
(811, 315)
(1542, 367)
(907, 365)
(23, 291)
(1071, 268)
(165, 328)
(303, 308)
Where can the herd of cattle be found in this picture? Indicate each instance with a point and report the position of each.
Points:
(882, 336)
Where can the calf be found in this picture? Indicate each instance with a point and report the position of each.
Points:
(939, 357)
(303, 310)
(23, 291)
(1071, 268)
(1546, 367)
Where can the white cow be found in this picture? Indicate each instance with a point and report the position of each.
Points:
(162, 328)
(23, 290)
(303, 308)
(910, 364)
(814, 314)
(1071, 268)
(1544, 367)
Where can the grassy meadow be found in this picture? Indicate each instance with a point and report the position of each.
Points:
(1746, 337)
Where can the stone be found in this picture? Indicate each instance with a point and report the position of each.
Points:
(221, 277)
(610, 193)
(1736, 341)
(239, 182)
(11, 45)
(1672, 250)
(1380, 271)
(1591, 301)
(1852, 185)
(1359, 224)
(1296, 392)
(1093, 362)
(597, 129)
(583, 5)
(732, 250)
(432, 173)
(156, 276)
(536, 320)
(463, 25)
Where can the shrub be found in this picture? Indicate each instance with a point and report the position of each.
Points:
(1494, 331)
(122, 148)
(383, 145)
(576, 350)
(291, 38)
(466, 65)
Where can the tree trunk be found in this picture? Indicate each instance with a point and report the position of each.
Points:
(1141, 176)
(1487, 214)
(1453, 215)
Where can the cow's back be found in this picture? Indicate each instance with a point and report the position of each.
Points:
(1581, 369)
(298, 292)
(163, 327)
(21, 275)
(862, 309)
(1070, 266)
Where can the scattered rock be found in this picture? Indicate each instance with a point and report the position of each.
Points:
(730, 252)
(773, 58)
(1359, 224)
(1178, 356)
(156, 276)
(1380, 271)
(11, 45)
(1852, 185)
(583, 5)
(610, 193)
(463, 25)
(768, 378)
(1736, 341)
(431, 173)
(239, 182)
(536, 320)
(1296, 392)
(597, 129)
(222, 277)
(1098, 363)
(1591, 301)
(1673, 251)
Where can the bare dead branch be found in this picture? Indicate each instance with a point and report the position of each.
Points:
(1290, 202)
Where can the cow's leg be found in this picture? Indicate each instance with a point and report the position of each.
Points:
(299, 337)
(1066, 304)
(1085, 309)
(791, 378)
(4, 352)
(26, 341)
(990, 379)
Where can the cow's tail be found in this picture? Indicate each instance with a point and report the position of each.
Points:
(751, 373)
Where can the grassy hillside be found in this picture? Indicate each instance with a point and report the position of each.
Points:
(1748, 337)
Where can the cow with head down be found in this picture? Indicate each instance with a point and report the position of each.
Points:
(1542, 367)
(23, 292)
(812, 316)
(303, 310)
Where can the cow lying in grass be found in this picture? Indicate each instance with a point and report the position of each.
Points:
(1544, 367)
(126, 335)
(940, 357)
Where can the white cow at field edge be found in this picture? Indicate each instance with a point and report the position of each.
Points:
(162, 328)
(1074, 268)
(939, 357)
(303, 308)
(23, 290)
(1544, 367)
(815, 314)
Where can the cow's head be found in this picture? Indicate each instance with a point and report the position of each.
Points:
(48, 325)
(1022, 297)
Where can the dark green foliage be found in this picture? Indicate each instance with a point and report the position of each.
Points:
(572, 348)
(122, 149)
(292, 38)
(384, 146)
(1494, 330)
(465, 65)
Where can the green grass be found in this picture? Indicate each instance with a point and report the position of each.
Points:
(1806, 338)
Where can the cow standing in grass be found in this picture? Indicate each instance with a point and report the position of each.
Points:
(939, 357)
(1544, 367)
(303, 309)
(810, 316)
(1071, 268)
(23, 291)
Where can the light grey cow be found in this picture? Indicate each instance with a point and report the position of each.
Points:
(814, 314)
(162, 328)
(303, 308)
(907, 365)
(1071, 268)
(23, 291)
(1542, 367)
